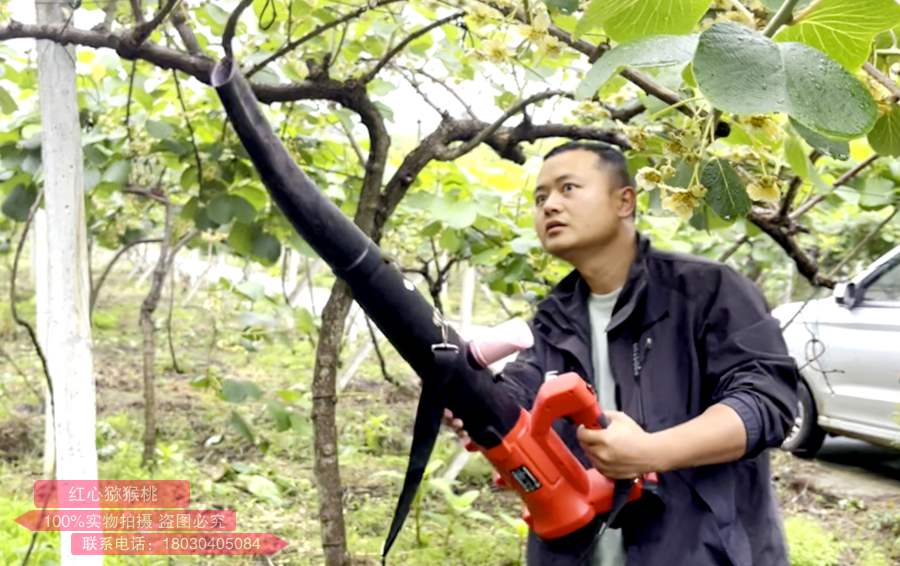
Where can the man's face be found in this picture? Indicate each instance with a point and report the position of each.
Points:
(575, 208)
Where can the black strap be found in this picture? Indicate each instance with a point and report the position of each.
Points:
(425, 433)
(619, 499)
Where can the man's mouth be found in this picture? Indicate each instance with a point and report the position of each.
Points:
(550, 226)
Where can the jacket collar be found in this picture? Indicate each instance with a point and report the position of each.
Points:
(565, 306)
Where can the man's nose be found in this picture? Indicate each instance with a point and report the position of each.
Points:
(552, 204)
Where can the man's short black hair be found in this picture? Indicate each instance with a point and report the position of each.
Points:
(609, 156)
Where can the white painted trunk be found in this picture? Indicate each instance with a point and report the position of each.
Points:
(68, 335)
(466, 306)
(467, 299)
(293, 267)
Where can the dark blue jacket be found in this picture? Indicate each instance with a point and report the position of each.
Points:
(685, 333)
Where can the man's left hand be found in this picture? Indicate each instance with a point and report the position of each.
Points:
(623, 450)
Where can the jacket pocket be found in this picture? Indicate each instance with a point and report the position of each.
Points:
(714, 487)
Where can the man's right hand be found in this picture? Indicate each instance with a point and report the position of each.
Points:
(456, 425)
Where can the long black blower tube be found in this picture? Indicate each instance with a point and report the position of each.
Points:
(407, 320)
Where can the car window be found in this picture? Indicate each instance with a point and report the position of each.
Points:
(886, 287)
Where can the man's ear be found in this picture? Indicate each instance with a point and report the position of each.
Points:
(627, 202)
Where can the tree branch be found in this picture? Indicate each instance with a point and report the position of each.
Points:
(146, 193)
(782, 229)
(190, 127)
(627, 111)
(788, 199)
(852, 253)
(384, 371)
(734, 247)
(163, 57)
(448, 154)
(318, 30)
(806, 266)
(353, 144)
(409, 39)
(180, 21)
(142, 31)
(784, 16)
(231, 26)
(15, 312)
(452, 92)
(443, 113)
(349, 94)
(807, 206)
(137, 10)
(885, 81)
(95, 290)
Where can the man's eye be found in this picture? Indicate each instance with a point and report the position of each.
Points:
(539, 199)
(568, 186)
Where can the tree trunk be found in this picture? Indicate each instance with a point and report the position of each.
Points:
(148, 331)
(67, 346)
(327, 469)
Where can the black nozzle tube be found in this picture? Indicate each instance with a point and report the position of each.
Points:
(407, 320)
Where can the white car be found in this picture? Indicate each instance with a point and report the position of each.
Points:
(847, 347)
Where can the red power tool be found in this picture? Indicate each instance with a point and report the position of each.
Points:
(560, 495)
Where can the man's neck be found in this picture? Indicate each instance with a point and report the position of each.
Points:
(606, 269)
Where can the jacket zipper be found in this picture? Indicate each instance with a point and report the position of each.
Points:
(637, 361)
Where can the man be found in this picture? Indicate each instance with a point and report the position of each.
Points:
(686, 351)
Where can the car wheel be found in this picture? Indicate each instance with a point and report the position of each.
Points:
(805, 437)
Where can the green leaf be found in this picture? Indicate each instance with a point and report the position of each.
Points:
(838, 149)
(739, 70)
(250, 290)
(219, 209)
(262, 487)
(885, 135)
(253, 194)
(878, 192)
(289, 395)
(657, 51)
(624, 20)
(844, 29)
(117, 173)
(564, 6)
(241, 237)
(7, 104)
(432, 229)
(450, 241)
(237, 422)
(267, 248)
(726, 194)
(18, 202)
(380, 87)
(91, 178)
(491, 256)
(279, 414)
(460, 214)
(300, 424)
(773, 5)
(159, 129)
(305, 321)
(796, 156)
(237, 390)
(742, 71)
(242, 210)
(524, 244)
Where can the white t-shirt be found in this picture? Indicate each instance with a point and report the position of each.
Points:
(610, 550)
